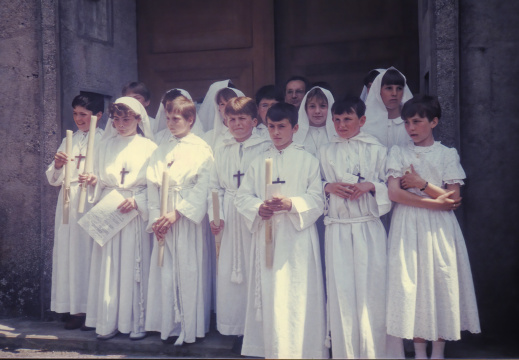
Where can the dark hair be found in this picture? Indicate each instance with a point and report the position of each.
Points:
(137, 88)
(242, 105)
(422, 105)
(280, 111)
(269, 92)
(90, 101)
(316, 93)
(350, 104)
(392, 77)
(370, 77)
(226, 94)
(123, 109)
(183, 106)
(297, 78)
(170, 95)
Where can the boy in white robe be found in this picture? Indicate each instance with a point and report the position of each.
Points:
(177, 299)
(353, 166)
(119, 269)
(231, 161)
(72, 245)
(285, 315)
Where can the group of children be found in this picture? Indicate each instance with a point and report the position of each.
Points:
(289, 182)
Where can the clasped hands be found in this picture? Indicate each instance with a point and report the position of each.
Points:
(349, 191)
(277, 203)
(163, 223)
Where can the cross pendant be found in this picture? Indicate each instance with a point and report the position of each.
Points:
(360, 177)
(123, 172)
(79, 158)
(238, 175)
(278, 181)
(171, 163)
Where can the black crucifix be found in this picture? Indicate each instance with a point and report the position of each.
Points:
(278, 181)
(170, 163)
(238, 175)
(79, 158)
(360, 177)
(123, 172)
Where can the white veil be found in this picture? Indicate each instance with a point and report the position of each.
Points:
(137, 107)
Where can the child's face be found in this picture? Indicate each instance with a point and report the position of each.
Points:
(281, 132)
(241, 126)
(178, 125)
(420, 129)
(126, 125)
(221, 108)
(139, 98)
(295, 92)
(82, 118)
(263, 107)
(317, 111)
(348, 125)
(391, 96)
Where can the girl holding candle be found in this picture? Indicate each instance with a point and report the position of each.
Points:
(72, 245)
(120, 268)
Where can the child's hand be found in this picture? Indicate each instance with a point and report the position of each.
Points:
(412, 180)
(279, 203)
(163, 223)
(216, 229)
(360, 189)
(60, 159)
(90, 179)
(265, 212)
(445, 203)
(339, 189)
(127, 205)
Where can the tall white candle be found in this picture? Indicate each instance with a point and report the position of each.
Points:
(68, 175)
(163, 210)
(216, 219)
(89, 162)
(269, 255)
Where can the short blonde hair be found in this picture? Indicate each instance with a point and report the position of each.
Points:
(242, 105)
(183, 106)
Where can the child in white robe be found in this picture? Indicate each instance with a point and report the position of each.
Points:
(430, 289)
(353, 166)
(142, 94)
(285, 315)
(119, 268)
(72, 245)
(177, 296)
(231, 161)
(387, 95)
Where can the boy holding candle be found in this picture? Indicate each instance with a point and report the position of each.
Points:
(231, 161)
(285, 315)
(72, 245)
(177, 296)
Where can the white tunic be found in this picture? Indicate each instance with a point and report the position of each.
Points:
(72, 245)
(356, 250)
(177, 297)
(233, 266)
(120, 269)
(430, 290)
(285, 306)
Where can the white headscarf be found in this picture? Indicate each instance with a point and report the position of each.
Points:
(304, 123)
(161, 119)
(137, 107)
(209, 108)
(376, 112)
(364, 93)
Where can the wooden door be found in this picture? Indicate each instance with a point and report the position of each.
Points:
(191, 44)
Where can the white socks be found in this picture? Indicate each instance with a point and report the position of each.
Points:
(419, 350)
(438, 348)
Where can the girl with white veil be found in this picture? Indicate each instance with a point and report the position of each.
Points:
(120, 268)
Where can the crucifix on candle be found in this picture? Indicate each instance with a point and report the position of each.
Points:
(123, 173)
(238, 175)
(79, 158)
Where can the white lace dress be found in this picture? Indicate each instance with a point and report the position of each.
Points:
(430, 289)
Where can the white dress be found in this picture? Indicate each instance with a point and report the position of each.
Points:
(120, 269)
(72, 245)
(430, 289)
(178, 292)
(233, 265)
(356, 251)
(285, 307)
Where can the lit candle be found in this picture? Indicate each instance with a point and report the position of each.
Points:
(89, 162)
(216, 219)
(269, 256)
(163, 210)
(68, 174)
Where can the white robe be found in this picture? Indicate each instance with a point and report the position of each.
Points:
(285, 306)
(356, 250)
(178, 296)
(233, 266)
(430, 289)
(119, 270)
(72, 248)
